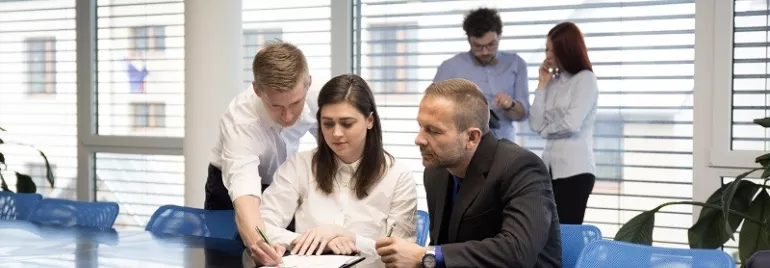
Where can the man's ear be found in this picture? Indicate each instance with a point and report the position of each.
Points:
(256, 90)
(474, 137)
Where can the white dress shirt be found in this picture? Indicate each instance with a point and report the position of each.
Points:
(251, 145)
(563, 113)
(294, 193)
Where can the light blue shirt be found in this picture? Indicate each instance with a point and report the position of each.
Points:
(564, 113)
(507, 74)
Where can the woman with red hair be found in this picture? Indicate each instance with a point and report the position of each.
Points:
(563, 113)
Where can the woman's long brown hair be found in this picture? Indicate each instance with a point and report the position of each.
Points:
(569, 47)
(354, 90)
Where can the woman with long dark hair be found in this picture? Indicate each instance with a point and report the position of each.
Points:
(348, 191)
(563, 113)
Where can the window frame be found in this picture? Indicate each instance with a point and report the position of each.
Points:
(720, 86)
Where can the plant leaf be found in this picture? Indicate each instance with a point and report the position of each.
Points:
(638, 230)
(763, 159)
(2, 159)
(766, 173)
(754, 236)
(764, 122)
(24, 184)
(48, 172)
(2, 129)
(708, 231)
(727, 198)
(3, 185)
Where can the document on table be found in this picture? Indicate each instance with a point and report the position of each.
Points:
(320, 261)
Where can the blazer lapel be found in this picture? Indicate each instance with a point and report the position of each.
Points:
(473, 183)
(440, 184)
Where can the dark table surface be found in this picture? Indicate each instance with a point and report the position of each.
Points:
(25, 244)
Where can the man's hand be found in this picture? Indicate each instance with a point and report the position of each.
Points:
(265, 255)
(504, 101)
(342, 245)
(396, 252)
(317, 238)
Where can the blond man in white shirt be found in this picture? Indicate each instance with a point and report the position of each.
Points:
(347, 192)
(260, 128)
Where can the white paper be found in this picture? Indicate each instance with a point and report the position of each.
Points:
(322, 261)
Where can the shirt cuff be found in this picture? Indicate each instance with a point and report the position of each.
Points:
(366, 246)
(439, 258)
(244, 186)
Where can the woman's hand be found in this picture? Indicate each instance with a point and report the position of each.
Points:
(317, 239)
(342, 245)
(544, 76)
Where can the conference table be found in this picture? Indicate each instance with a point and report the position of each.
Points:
(26, 244)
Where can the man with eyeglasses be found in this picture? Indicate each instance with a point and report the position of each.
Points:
(501, 76)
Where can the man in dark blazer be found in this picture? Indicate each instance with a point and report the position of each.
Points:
(490, 201)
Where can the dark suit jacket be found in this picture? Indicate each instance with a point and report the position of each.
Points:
(504, 216)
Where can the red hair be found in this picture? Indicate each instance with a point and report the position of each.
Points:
(568, 46)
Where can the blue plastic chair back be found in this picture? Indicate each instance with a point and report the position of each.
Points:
(575, 237)
(423, 227)
(612, 254)
(187, 221)
(71, 213)
(17, 206)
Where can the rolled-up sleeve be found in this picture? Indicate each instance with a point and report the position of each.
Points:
(241, 147)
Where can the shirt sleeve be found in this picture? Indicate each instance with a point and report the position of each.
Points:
(443, 72)
(402, 214)
(439, 258)
(521, 86)
(280, 201)
(241, 147)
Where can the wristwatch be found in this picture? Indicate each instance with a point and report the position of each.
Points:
(429, 258)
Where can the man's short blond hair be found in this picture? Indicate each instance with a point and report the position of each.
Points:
(470, 106)
(279, 66)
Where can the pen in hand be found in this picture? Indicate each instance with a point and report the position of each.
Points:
(262, 234)
(391, 230)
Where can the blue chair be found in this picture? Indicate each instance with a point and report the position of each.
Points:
(423, 227)
(187, 221)
(609, 253)
(71, 213)
(575, 237)
(17, 206)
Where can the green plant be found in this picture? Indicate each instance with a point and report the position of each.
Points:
(740, 201)
(24, 183)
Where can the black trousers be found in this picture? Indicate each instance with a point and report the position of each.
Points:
(571, 195)
(217, 197)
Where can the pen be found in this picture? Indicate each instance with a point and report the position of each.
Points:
(262, 234)
(391, 230)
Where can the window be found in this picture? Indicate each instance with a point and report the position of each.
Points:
(392, 64)
(642, 54)
(38, 102)
(149, 115)
(751, 75)
(149, 38)
(140, 59)
(140, 184)
(305, 24)
(41, 65)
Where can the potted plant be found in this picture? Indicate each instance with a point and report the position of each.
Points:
(740, 201)
(24, 183)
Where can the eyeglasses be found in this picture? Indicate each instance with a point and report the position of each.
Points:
(490, 46)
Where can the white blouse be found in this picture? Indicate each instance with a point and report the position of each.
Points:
(564, 114)
(294, 192)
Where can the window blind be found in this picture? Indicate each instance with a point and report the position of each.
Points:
(751, 36)
(37, 92)
(140, 63)
(306, 24)
(642, 54)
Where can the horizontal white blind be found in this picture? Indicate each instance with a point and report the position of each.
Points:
(139, 183)
(140, 67)
(37, 91)
(642, 53)
(751, 67)
(306, 24)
